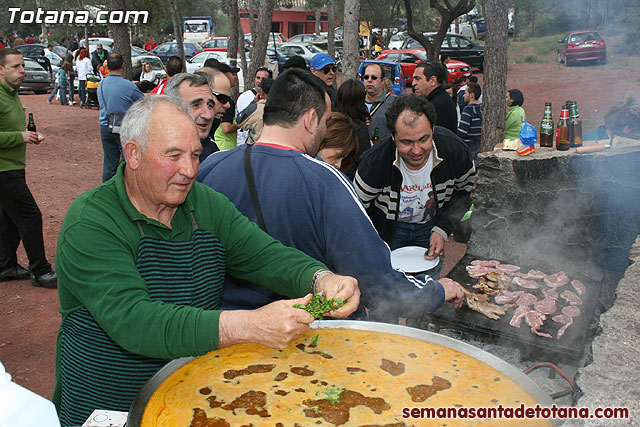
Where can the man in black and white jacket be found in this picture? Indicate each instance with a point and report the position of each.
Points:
(416, 184)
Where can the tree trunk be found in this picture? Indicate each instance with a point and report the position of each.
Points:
(593, 14)
(350, 57)
(43, 26)
(495, 75)
(234, 23)
(252, 23)
(232, 47)
(533, 21)
(331, 31)
(447, 15)
(175, 20)
(317, 26)
(515, 22)
(121, 39)
(259, 49)
(243, 58)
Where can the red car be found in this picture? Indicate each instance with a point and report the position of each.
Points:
(409, 58)
(586, 45)
(216, 44)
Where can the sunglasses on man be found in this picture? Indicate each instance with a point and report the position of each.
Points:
(329, 68)
(372, 77)
(222, 98)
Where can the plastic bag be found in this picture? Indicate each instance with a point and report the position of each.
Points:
(528, 139)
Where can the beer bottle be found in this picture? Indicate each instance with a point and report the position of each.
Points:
(562, 130)
(31, 126)
(575, 125)
(376, 136)
(546, 127)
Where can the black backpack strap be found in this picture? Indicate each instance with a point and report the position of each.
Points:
(251, 183)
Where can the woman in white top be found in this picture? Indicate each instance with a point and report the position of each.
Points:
(148, 73)
(83, 68)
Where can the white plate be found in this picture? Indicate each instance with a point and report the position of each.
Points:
(411, 259)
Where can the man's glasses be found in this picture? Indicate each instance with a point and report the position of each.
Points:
(222, 98)
(329, 68)
(372, 77)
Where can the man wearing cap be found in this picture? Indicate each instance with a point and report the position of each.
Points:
(226, 135)
(323, 66)
(249, 96)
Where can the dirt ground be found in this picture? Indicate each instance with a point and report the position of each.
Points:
(69, 162)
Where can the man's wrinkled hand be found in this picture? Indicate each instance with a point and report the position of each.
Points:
(343, 287)
(274, 325)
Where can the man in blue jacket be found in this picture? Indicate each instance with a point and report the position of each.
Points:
(308, 204)
(115, 94)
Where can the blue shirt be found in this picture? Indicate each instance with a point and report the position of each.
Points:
(116, 94)
(311, 206)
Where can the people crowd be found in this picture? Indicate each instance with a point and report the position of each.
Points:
(298, 186)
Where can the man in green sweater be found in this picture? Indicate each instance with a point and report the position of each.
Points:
(20, 217)
(142, 260)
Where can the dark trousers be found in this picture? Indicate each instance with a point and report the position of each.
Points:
(20, 219)
(112, 152)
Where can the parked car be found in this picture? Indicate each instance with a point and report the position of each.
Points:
(456, 46)
(197, 61)
(306, 50)
(409, 58)
(33, 51)
(582, 46)
(168, 49)
(277, 37)
(36, 79)
(392, 72)
(216, 44)
(300, 38)
(397, 39)
(106, 43)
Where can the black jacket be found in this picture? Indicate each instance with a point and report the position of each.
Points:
(378, 181)
(95, 59)
(446, 115)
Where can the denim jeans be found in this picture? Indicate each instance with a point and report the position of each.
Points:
(54, 91)
(71, 87)
(112, 152)
(411, 234)
(63, 95)
(82, 89)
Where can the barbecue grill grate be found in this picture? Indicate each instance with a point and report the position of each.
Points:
(567, 349)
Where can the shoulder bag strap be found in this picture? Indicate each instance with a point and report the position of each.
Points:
(251, 183)
(378, 105)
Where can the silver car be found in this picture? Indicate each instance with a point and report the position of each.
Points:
(37, 78)
(305, 50)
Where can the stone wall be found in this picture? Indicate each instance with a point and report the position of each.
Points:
(559, 211)
(611, 380)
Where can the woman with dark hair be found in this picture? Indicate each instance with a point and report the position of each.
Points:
(350, 101)
(72, 77)
(515, 114)
(340, 145)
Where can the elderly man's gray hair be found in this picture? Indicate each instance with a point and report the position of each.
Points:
(174, 82)
(135, 125)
